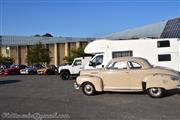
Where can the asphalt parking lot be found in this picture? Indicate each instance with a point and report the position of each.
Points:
(47, 95)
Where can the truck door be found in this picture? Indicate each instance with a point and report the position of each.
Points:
(77, 66)
(97, 62)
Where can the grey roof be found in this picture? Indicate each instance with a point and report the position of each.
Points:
(24, 40)
(151, 30)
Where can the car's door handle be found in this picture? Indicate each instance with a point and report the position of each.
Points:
(127, 71)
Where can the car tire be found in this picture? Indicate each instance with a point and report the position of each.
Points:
(31, 73)
(47, 72)
(88, 89)
(155, 92)
(13, 73)
(64, 75)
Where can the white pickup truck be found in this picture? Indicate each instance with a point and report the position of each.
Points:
(73, 70)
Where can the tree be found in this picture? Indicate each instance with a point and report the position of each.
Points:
(47, 35)
(79, 52)
(38, 54)
(6, 60)
(37, 35)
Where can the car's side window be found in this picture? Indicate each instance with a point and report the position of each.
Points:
(134, 65)
(117, 65)
(77, 62)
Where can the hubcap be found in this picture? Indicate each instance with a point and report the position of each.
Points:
(88, 89)
(64, 76)
(155, 91)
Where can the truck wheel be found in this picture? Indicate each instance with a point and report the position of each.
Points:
(64, 75)
(155, 92)
(88, 89)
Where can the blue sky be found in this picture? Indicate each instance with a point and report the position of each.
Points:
(81, 18)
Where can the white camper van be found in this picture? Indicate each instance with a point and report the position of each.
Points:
(160, 52)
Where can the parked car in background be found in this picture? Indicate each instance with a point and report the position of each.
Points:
(49, 70)
(4, 66)
(31, 69)
(13, 69)
(128, 74)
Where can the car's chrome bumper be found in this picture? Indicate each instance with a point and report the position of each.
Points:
(24, 72)
(76, 86)
(178, 87)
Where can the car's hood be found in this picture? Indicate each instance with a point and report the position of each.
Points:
(65, 66)
(41, 69)
(10, 69)
(28, 68)
(93, 72)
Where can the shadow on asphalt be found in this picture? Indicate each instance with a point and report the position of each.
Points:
(128, 93)
(172, 92)
(2, 82)
(167, 93)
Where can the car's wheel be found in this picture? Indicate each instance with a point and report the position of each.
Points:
(64, 75)
(88, 89)
(47, 72)
(155, 92)
(13, 73)
(31, 72)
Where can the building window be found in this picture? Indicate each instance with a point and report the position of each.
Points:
(163, 43)
(164, 57)
(122, 54)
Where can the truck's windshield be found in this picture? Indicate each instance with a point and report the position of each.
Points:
(98, 60)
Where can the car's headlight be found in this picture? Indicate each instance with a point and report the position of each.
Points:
(174, 78)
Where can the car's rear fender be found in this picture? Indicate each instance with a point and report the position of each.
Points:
(159, 80)
(96, 81)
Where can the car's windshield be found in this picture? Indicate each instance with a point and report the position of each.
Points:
(14, 66)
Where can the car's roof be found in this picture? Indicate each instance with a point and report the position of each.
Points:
(128, 58)
(144, 62)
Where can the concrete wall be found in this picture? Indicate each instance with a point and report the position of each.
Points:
(51, 50)
(61, 53)
(5, 52)
(83, 44)
(13, 54)
(22, 54)
(57, 52)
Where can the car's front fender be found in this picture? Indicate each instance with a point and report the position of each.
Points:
(96, 81)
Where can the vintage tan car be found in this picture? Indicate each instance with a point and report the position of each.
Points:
(128, 74)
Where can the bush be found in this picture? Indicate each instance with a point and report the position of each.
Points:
(74, 53)
(6, 60)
